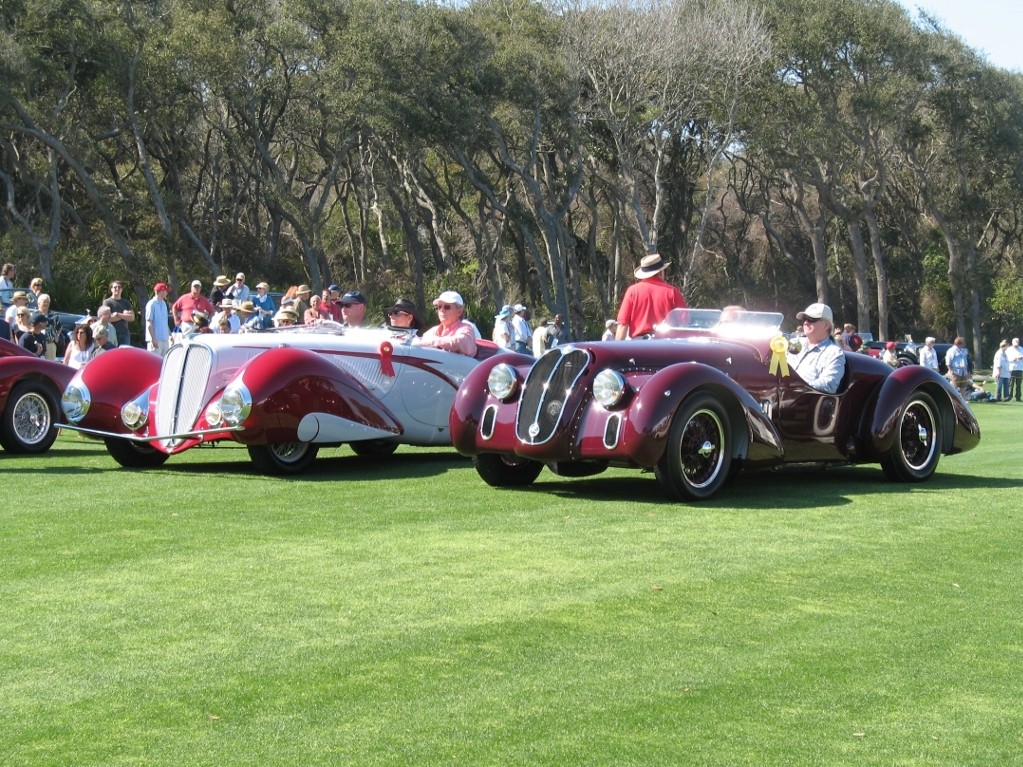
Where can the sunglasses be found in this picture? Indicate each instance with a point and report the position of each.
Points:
(810, 321)
(446, 307)
(347, 306)
(392, 312)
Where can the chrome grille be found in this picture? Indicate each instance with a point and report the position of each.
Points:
(548, 385)
(186, 370)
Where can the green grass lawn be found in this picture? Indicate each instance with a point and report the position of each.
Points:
(401, 612)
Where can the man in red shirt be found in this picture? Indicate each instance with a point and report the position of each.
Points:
(647, 301)
(187, 305)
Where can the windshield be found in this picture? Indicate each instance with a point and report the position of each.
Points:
(732, 322)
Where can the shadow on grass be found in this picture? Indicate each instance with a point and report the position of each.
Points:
(789, 487)
(331, 465)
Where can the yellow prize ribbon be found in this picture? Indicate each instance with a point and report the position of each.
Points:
(779, 345)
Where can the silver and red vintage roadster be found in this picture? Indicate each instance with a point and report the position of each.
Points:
(30, 390)
(283, 394)
(702, 400)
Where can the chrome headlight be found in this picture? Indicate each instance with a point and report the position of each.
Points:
(135, 413)
(75, 401)
(609, 387)
(234, 405)
(503, 381)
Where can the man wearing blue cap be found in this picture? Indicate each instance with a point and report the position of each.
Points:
(353, 308)
(35, 341)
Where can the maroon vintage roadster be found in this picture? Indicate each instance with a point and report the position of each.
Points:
(700, 401)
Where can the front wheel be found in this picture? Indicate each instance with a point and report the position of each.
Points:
(29, 423)
(134, 455)
(506, 470)
(914, 454)
(283, 457)
(697, 460)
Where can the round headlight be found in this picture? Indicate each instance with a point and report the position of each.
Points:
(213, 414)
(135, 413)
(502, 381)
(608, 387)
(235, 404)
(75, 401)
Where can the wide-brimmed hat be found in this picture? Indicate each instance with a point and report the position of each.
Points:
(221, 281)
(286, 314)
(651, 265)
(262, 285)
(246, 307)
(227, 303)
(19, 294)
(505, 313)
(303, 289)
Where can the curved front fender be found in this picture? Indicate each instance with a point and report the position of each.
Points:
(288, 385)
(753, 435)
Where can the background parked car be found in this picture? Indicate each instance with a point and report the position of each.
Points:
(30, 390)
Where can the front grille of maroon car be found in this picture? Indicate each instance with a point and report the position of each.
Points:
(549, 383)
(186, 370)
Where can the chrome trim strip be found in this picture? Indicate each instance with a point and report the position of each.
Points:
(159, 438)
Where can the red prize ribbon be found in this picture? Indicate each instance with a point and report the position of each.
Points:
(386, 350)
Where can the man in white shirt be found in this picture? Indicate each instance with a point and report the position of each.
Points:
(1014, 355)
(820, 362)
(522, 333)
(158, 320)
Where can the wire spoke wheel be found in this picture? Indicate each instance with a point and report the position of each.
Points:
(697, 459)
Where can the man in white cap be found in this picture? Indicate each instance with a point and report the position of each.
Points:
(238, 291)
(820, 362)
(453, 334)
(647, 301)
(521, 332)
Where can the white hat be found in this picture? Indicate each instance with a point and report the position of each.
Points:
(519, 308)
(449, 297)
(196, 284)
(240, 276)
(609, 324)
(651, 265)
(817, 312)
(227, 303)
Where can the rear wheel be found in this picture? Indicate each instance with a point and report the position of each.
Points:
(28, 425)
(914, 454)
(283, 457)
(506, 470)
(697, 461)
(134, 455)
